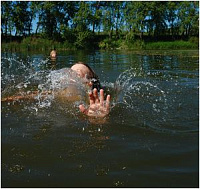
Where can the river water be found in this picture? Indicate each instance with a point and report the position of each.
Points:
(150, 138)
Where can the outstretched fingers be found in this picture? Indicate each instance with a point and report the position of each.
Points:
(95, 93)
(108, 103)
(91, 98)
(101, 97)
(98, 106)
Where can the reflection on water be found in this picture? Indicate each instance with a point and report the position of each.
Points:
(150, 138)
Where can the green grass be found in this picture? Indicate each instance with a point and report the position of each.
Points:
(41, 44)
(36, 44)
(169, 45)
(141, 45)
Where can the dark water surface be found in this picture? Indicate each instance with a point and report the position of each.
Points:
(150, 139)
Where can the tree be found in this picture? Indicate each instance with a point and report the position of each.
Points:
(48, 18)
(81, 25)
(32, 11)
(20, 17)
(108, 18)
(78, 20)
(188, 18)
(157, 11)
(81, 20)
(6, 17)
(171, 16)
(135, 15)
(118, 17)
(96, 14)
(65, 14)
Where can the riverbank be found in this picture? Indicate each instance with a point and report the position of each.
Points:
(32, 44)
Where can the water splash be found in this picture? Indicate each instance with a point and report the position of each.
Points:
(146, 100)
(25, 77)
(131, 91)
(147, 97)
(128, 90)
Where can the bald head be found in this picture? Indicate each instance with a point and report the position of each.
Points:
(84, 71)
(81, 70)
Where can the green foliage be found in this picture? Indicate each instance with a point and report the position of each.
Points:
(67, 46)
(141, 45)
(103, 24)
(41, 44)
(68, 34)
(27, 40)
(171, 45)
(84, 39)
(135, 45)
(110, 44)
(130, 36)
(37, 43)
(82, 19)
(6, 17)
(12, 46)
(194, 40)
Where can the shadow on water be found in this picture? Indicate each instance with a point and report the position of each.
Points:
(150, 138)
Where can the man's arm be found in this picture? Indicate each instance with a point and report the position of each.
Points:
(98, 107)
(30, 96)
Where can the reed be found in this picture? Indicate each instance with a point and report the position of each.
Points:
(169, 45)
(44, 45)
(36, 44)
(142, 45)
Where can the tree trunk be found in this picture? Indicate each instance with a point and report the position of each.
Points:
(29, 27)
(93, 26)
(2, 34)
(38, 25)
(6, 28)
(141, 35)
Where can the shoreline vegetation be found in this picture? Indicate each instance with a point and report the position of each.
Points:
(42, 44)
(94, 25)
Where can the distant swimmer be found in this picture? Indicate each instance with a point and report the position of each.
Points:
(99, 106)
(53, 54)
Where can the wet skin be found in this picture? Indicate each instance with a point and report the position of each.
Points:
(98, 107)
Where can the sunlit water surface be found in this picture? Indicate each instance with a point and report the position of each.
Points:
(150, 138)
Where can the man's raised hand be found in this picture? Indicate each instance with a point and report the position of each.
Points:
(98, 107)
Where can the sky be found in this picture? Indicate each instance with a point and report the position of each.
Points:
(34, 24)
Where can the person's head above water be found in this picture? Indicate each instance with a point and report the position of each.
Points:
(99, 103)
(84, 71)
(53, 54)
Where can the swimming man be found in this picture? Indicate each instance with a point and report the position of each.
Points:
(98, 106)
